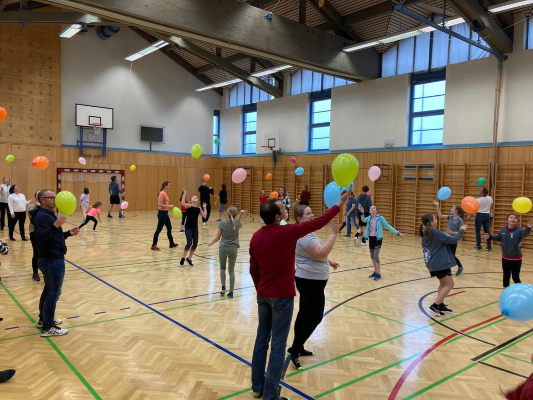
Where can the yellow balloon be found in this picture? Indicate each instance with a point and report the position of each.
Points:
(345, 168)
(133, 168)
(522, 205)
(176, 212)
(66, 202)
(196, 150)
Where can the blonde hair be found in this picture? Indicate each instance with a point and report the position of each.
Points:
(299, 212)
(232, 214)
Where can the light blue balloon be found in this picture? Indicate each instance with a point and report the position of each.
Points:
(299, 171)
(516, 302)
(444, 193)
(332, 193)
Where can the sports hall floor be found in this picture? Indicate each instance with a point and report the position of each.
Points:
(144, 327)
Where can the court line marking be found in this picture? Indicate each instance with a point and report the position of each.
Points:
(517, 359)
(502, 369)
(54, 346)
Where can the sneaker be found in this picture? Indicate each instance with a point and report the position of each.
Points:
(377, 277)
(189, 261)
(173, 245)
(488, 249)
(182, 230)
(460, 271)
(219, 220)
(121, 216)
(355, 240)
(109, 216)
(13, 239)
(182, 261)
(373, 275)
(155, 248)
(24, 239)
(257, 394)
(57, 321)
(54, 331)
(477, 248)
(347, 235)
(306, 353)
(205, 223)
(364, 244)
(223, 291)
(444, 309)
(295, 361)
(435, 310)
(95, 230)
(230, 295)
(36, 277)
(6, 375)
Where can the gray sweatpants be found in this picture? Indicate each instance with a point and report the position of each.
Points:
(229, 253)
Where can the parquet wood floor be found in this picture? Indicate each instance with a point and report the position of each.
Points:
(144, 327)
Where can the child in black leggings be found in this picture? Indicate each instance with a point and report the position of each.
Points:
(510, 238)
(95, 210)
(191, 226)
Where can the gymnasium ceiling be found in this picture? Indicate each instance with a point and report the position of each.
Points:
(350, 21)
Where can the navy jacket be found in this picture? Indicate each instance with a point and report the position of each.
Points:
(365, 201)
(437, 255)
(511, 242)
(49, 239)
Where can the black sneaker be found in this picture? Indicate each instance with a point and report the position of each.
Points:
(109, 216)
(189, 261)
(6, 375)
(223, 291)
(477, 248)
(230, 295)
(182, 261)
(443, 308)
(306, 353)
(488, 249)
(435, 310)
(36, 277)
(296, 361)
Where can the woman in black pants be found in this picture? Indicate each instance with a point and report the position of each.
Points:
(191, 226)
(17, 204)
(311, 277)
(162, 216)
(183, 213)
(35, 257)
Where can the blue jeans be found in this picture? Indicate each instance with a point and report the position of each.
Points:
(482, 219)
(275, 317)
(53, 273)
(350, 220)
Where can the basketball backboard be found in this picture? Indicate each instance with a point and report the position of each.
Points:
(87, 115)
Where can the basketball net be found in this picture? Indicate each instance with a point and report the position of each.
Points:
(97, 130)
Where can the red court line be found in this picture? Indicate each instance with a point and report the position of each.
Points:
(454, 294)
(417, 360)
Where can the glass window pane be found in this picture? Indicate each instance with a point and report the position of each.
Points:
(329, 81)
(405, 55)
(233, 96)
(529, 39)
(422, 52)
(389, 62)
(434, 136)
(475, 52)
(339, 82)
(320, 144)
(321, 117)
(428, 104)
(428, 122)
(439, 56)
(307, 81)
(429, 89)
(321, 105)
(317, 82)
(320, 132)
(250, 116)
(240, 95)
(296, 83)
(249, 149)
(247, 94)
(255, 95)
(249, 139)
(459, 48)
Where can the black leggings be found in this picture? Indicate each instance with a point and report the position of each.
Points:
(35, 257)
(511, 267)
(312, 304)
(4, 209)
(20, 216)
(87, 219)
(183, 217)
(192, 237)
(453, 248)
(163, 220)
(208, 208)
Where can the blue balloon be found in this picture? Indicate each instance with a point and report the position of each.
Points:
(332, 193)
(299, 171)
(516, 302)
(444, 193)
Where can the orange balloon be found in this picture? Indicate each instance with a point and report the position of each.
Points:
(470, 204)
(40, 162)
(3, 114)
(274, 195)
(268, 177)
(206, 177)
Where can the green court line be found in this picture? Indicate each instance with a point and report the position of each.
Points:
(506, 347)
(517, 359)
(361, 378)
(382, 316)
(229, 396)
(54, 346)
(475, 330)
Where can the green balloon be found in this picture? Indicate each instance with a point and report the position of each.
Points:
(481, 181)
(217, 142)
(10, 158)
(66, 202)
(344, 169)
(176, 212)
(196, 150)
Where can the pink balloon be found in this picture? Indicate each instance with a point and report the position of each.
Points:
(239, 175)
(374, 173)
(124, 205)
(293, 160)
(82, 161)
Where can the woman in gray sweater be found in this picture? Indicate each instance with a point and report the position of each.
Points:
(439, 259)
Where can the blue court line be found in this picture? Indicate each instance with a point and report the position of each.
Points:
(13, 327)
(77, 316)
(184, 327)
(199, 295)
(125, 308)
(99, 312)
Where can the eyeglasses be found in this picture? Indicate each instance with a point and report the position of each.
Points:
(49, 197)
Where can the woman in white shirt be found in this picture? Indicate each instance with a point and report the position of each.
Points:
(17, 208)
(483, 216)
(4, 194)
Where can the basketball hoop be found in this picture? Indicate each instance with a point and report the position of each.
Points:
(97, 130)
(268, 147)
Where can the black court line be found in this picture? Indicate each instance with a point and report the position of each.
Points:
(503, 369)
(500, 346)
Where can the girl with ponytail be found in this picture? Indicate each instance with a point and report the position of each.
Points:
(455, 220)
(228, 234)
(439, 259)
(162, 216)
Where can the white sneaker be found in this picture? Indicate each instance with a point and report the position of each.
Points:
(57, 321)
(364, 243)
(205, 223)
(95, 230)
(54, 331)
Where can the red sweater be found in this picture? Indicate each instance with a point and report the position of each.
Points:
(305, 196)
(272, 253)
(522, 392)
(263, 198)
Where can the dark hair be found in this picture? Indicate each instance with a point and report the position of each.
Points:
(269, 210)
(366, 188)
(299, 212)
(223, 186)
(284, 191)
(97, 204)
(114, 178)
(515, 214)
(427, 219)
(12, 189)
(460, 211)
(306, 187)
(163, 186)
(485, 191)
(86, 190)
(42, 193)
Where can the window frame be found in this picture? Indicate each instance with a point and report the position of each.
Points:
(216, 149)
(314, 97)
(420, 79)
(529, 27)
(247, 109)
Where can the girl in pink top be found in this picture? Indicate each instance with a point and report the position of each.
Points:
(95, 210)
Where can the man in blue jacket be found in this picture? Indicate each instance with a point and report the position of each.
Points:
(50, 240)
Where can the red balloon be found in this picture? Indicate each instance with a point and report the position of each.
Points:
(470, 204)
(3, 114)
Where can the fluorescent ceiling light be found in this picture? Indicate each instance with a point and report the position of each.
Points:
(510, 5)
(71, 31)
(219, 84)
(272, 70)
(150, 49)
(403, 35)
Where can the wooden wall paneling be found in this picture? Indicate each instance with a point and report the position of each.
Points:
(384, 193)
(226, 177)
(316, 188)
(406, 190)
(258, 182)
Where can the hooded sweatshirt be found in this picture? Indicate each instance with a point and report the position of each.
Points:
(50, 240)
(511, 241)
(437, 255)
(365, 201)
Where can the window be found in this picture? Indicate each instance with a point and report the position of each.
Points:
(216, 132)
(427, 110)
(305, 81)
(529, 34)
(320, 124)
(243, 94)
(249, 131)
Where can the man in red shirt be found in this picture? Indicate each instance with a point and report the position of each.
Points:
(272, 253)
(305, 196)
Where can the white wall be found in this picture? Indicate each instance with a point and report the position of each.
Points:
(151, 91)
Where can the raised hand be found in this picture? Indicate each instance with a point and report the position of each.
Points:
(436, 202)
(464, 227)
(335, 227)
